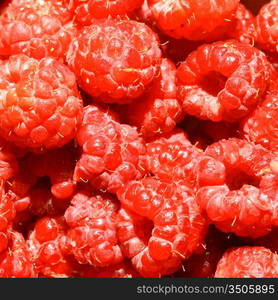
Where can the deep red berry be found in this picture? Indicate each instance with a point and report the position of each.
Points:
(115, 60)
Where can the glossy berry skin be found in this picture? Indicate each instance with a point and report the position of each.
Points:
(113, 153)
(261, 127)
(266, 25)
(92, 229)
(239, 207)
(176, 160)
(158, 110)
(36, 28)
(223, 80)
(15, 261)
(178, 226)
(115, 60)
(192, 20)
(47, 244)
(88, 10)
(39, 104)
(248, 262)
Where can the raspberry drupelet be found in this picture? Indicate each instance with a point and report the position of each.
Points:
(178, 227)
(223, 80)
(36, 28)
(193, 20)
(158, 110)
(247, 203)
(112, 153)
(115, 60)
(92, 235)
(248, 262)
(40, 106)
(88, 10)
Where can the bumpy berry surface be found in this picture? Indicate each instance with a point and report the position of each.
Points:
(92, 235)
(86, 11)
(262, 126)
(113, 153)
(8, 163)
(39, 104)
(239, 207)
(115, 60)
(223, 80)
(248, 262)
(37, 28)
(193, 20)
(178, 227)
(158, 110)
(15, 261)
(266, 25)
(47, 244)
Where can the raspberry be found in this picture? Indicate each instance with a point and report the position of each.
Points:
(247, 210)
(115, 60)
(178, 161)
(86, 10)
(223, 81)
(192, 20)
(248, 262)
(8, 163)
(92, 229)
(178, 226)
(15, 261)
(261, 127)
(266, 25)
(47, 244)
(112, 153)
(158, 111)
(36, 28)
(39, 104)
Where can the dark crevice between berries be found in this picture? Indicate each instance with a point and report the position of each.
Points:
(212, 83)
(237, 179)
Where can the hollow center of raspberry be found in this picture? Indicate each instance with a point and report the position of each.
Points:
(236, 179)
(144, 229)
(212, 83)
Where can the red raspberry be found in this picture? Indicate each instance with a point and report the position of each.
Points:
(261, 127)
(92, 229)
(39, 104)
(193, 20)
(266, 25)
(47, 244)
(248, 262)
(87, 10)
(178, 161)
(243, 209)
(115, 60)
(15, 261)
(223, 80)
(158, 110)
(112, 153)
(36, 28)
(8, 163)
(178, 226)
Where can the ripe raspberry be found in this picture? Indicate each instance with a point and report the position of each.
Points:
(36, 28)
(115, 60)
(15, 261)
(172, 160)
(158, 110)
(193, 20)
(8, 163)
(248, 262)
(39, 104)
(112, 153)
(266, 25)
(241, 208)
(178, 226)
(223, 80)
(58, 165)
(261, 127)
(47, 244)
(87, 10)
(92, 229)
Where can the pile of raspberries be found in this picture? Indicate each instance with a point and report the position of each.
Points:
(138, 138)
